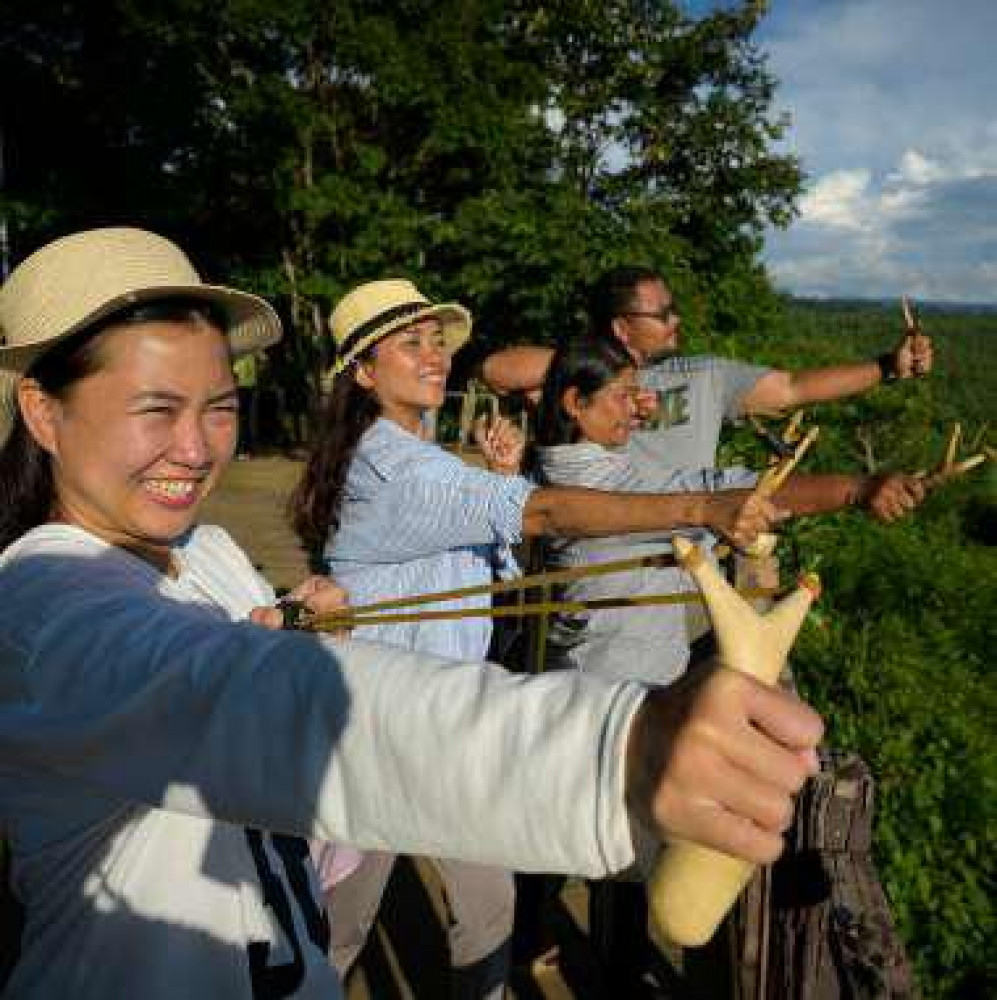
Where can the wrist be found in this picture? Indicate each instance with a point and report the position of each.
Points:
(704, 511)
(887, 368)
(863, 490)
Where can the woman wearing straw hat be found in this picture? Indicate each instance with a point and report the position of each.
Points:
(162, 755)
(397, 516)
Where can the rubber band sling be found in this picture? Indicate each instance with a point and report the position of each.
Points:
(388, 611)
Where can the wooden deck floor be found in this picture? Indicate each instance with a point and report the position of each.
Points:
(250, 503)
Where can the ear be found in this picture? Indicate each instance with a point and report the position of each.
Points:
(572, 403)
(621, 331)
(362, 375)
(40, 412)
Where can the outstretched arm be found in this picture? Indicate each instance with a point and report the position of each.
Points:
(885, 497)
(516, 369)
(687, 773)
(782, 390)
(575, 512)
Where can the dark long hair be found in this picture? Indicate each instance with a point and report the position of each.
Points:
(315, 502)
(586, 364)
(27, 488)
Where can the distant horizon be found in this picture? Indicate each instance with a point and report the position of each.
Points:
(892, 301)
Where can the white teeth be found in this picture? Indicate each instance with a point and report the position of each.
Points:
(175, 489)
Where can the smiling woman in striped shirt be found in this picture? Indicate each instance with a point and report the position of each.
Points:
(396, 515)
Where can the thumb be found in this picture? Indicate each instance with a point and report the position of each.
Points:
(783, 717)
(269, 618)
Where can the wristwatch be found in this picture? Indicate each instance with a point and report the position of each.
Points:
(887, 368)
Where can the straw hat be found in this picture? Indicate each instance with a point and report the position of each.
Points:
(80, 279)
(374, 310)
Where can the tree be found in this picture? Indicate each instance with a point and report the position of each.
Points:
(501, 153)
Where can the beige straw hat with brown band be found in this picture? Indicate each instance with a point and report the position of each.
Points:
(80, 279)
(374, 310)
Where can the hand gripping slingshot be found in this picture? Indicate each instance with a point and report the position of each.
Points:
(693, 887)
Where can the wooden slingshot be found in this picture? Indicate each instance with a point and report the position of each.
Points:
(912, 327)
(949, 468)
(693, 887)
(789, 448)
(775, 475)
(782, 443)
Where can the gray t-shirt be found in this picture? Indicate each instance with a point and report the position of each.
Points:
(649, 644)
(695, 396)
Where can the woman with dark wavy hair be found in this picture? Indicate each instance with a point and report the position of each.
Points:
(587, 411)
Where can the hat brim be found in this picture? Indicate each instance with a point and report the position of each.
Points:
(251, 325)
(454, 319)
(251, 322)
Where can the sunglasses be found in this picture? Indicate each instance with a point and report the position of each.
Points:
(663, 315)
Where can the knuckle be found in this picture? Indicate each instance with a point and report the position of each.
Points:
(754, 844)
(774, 815)
(786, 815)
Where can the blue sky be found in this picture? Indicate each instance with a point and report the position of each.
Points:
(894, 112)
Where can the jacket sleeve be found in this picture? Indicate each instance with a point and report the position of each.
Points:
(163, 704)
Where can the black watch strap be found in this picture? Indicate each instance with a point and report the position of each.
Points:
(887, 368)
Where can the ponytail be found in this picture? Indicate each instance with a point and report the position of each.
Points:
(315, 503)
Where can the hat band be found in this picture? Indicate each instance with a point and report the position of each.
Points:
(381, 319)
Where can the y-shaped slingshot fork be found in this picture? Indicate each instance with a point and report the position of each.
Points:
(949, 468)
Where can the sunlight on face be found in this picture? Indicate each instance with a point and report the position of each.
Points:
(408, 372)
(139, 444)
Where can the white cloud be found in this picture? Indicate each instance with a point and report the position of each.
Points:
(837, 200)
(918, 169)
(895, 122)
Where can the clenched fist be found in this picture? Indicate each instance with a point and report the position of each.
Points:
(319, 595)
(501, 443)
(741, 516)
(717, 757)
(894, 496)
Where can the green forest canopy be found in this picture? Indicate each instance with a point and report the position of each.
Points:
(501, 153)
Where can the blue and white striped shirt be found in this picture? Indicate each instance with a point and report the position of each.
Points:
(416, 519)
(647, 644)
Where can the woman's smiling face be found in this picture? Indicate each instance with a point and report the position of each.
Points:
(408, 372)
(138, 444)
(606, 416)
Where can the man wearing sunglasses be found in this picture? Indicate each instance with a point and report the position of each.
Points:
(688, 398)
(683, 403)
